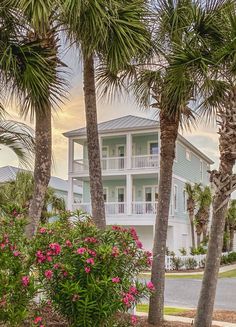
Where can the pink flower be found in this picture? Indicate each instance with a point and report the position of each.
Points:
(56, 266)
(2, 246)
(93, 253)
(148, 254)
(48, 274)
(42, 230)
(128, 299)
(90, 260)
(115, 251)
(49, 259)
(133, 233)
(150, 286)
(91, 240)
(115, 280)
(40, 256)
(133, 290)
(87, 269)
(37, 320)
(16, 253)
(81, 250)
(68, 243)
(134, 320)
(139, 244)
(25, 281)
(56, 248)
(149, 261)
(65, 273)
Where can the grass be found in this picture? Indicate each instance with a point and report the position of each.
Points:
(227, 274)
(167, 311)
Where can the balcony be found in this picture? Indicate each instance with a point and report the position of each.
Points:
(110, 164)
(120, 208)
(145, 161)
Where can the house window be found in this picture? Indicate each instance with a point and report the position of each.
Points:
(184, 201)
(201, 170)
(153, 148)
(188, 155)
(105, 194)
(175, 197)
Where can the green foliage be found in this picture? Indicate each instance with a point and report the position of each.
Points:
(17, 285)
(176, 262)
(90, 274)
(228, 258)
(190, 264)
(199, 250)
(183, 251)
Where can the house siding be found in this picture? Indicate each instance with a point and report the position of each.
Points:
(140, 143)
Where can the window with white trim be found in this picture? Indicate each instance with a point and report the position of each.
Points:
(188, 155)
(175, 198)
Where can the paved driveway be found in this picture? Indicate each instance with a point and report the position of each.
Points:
(185, 293)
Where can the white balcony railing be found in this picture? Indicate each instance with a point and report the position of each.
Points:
(120, 208)
(145, 161)
(107, 164)
(144, 208)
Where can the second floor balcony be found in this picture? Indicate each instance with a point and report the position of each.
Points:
(118, 163)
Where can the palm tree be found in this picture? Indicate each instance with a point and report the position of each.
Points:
(231, 223)
(203, 199)
(29, 68)
(211, 62)
(19, 138)
(112, 32)
(19, 192)
(191, 206)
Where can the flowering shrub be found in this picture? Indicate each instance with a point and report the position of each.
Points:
(16, 281)
(89, 274)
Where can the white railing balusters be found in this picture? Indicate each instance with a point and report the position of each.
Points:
(141, 208)
(145, 161)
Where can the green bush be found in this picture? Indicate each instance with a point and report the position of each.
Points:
(17, 285)
(183, 251)
(199, 250)
(177, 263)
(89, 274)
(190, 264)
(228, 258)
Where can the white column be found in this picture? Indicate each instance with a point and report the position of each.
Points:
(129, 150)
(129, 194)
(70, 155)
(70, 195)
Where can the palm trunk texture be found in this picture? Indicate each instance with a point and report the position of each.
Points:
(169, 132)
(42, 168)
(95, 174)
(223, 181)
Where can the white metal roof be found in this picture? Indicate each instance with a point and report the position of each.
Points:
(8, 173)
(119, 124)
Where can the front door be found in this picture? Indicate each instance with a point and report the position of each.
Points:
(121, 199)
(121, 154)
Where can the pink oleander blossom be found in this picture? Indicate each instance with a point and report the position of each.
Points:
(133, 290)
(87, 269)
(150, 286)
(56, 248)
(128, 299)
(2, 246)
(42, 230)
(40, 257)
(90, 260)
(48, 274)
(115, 280)
(91, 240)
(68, 243)
(56, 266)
(134, 320)
(16, 253)
(92, 252)
(81, 250)
(37, 320)
(139, 244)
(115, 251)
(25, 280)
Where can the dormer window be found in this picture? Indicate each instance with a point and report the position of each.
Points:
(188, 155)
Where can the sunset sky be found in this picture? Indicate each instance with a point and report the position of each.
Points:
(72, 116)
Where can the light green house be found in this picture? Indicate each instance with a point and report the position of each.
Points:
(130, 148)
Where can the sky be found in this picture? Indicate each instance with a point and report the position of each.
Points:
(71, 115)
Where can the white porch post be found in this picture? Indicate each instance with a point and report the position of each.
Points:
(129, 150)
(70, 155)
(129, 194)
(70, 195)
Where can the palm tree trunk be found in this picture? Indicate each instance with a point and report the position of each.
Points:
(95, 174)
(169, 132)
(231, 238)
(222, 180)
(42, 167)
(191, 218)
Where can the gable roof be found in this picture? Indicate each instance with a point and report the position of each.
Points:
(125, 123)
(8, 173)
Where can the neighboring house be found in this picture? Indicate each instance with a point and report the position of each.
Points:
(130, 151)
(59, 185)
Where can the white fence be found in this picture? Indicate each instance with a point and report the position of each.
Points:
(186, 261)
